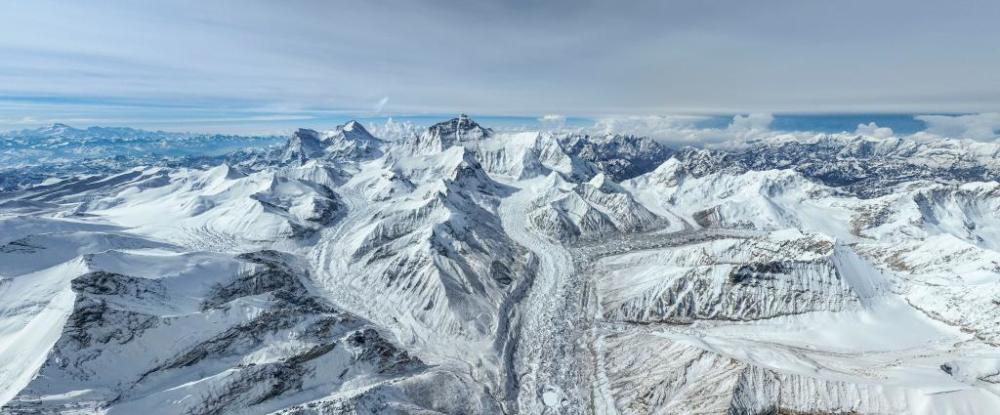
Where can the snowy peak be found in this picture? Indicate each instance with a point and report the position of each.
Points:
(354, 131)
(352, 126)
(456, 131)
(592, 209)
(604, 184)
(461, 128)
(55, 129)
(350, 141)
(304, 144)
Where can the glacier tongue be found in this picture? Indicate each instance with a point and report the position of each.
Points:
(465, 270)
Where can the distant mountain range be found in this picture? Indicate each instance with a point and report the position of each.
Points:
(61, 143)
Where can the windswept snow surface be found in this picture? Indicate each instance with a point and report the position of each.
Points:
(463, 270)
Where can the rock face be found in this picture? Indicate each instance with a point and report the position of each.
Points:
(464, 270)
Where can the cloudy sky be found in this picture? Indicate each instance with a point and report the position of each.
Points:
(197, 64)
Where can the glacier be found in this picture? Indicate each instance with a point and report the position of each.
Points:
(459, 269)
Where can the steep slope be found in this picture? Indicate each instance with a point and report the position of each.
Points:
(254, 338)
(220, 207)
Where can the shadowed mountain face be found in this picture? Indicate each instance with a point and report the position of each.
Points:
(460, 269)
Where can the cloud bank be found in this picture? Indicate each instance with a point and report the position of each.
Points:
(120, 59)
(873, 130)
(983, 127)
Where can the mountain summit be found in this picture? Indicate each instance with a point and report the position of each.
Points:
(347, 141)
(461, 128)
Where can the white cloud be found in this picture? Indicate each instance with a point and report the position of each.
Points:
(20, 121)
(982, 127)
(394, 130)
(648, 125)
(751, 122)
(873, 130)
(685, 129)
(380, 105)
(552, 121)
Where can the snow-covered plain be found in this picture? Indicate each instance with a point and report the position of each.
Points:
(463, 270)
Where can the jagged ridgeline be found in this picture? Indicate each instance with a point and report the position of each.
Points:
(467, 270)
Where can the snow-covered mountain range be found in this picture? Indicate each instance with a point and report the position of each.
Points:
(463, 270)
(61, 143)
